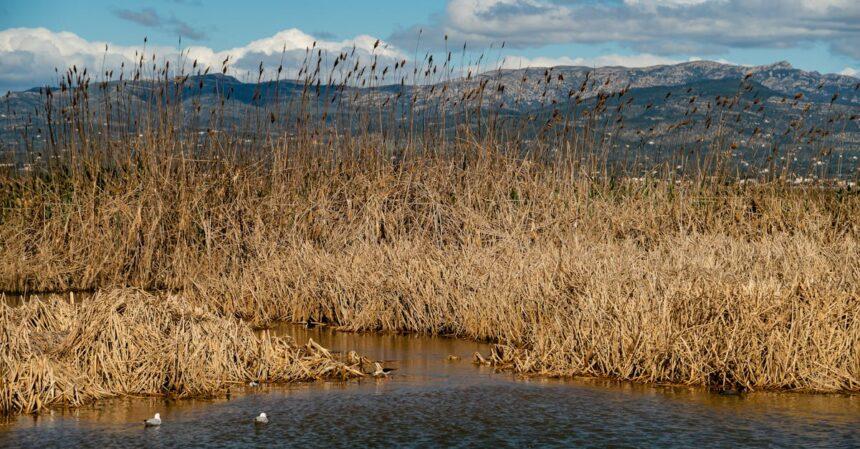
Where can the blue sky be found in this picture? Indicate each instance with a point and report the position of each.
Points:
(823, 35)
(226, 24)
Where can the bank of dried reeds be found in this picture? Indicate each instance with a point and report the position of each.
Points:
(573, 266)
(127, 342)
(657, 282)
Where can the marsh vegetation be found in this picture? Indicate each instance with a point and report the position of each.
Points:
(401, 213)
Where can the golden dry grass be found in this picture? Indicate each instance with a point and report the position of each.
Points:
(656, 281)
(453, 218)
(127, 342)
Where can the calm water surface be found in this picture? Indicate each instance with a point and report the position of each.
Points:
(431, 402)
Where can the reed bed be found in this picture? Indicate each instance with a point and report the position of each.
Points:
(131, 343)
(751, 286)
(540, 242)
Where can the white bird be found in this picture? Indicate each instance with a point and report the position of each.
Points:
(262, 419)
(153, 422)
(252, 384)
(380, 371)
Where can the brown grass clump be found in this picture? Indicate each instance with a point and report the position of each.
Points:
(775, 313)
(127, 342)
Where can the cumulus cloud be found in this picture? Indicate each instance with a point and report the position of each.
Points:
(29, 56)
(652, 26)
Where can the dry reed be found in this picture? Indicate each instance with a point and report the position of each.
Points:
(127, 342)
(743, 286)
(536, 241)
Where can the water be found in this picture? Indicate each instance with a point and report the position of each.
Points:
(431, 402)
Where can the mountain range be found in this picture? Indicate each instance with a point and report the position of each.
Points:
(775, 103)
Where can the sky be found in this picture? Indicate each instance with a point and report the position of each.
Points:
(37, 36)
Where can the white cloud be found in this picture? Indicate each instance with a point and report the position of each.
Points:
(29, 56)
(848, 71)
(652, 26)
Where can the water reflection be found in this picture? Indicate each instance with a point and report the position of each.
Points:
(431, 401)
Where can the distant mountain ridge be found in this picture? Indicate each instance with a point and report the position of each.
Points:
(780, 77)
(657, 99)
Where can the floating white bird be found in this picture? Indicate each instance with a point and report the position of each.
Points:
(252, 384)
(380, 371)
(262, 419)
(153, 422)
